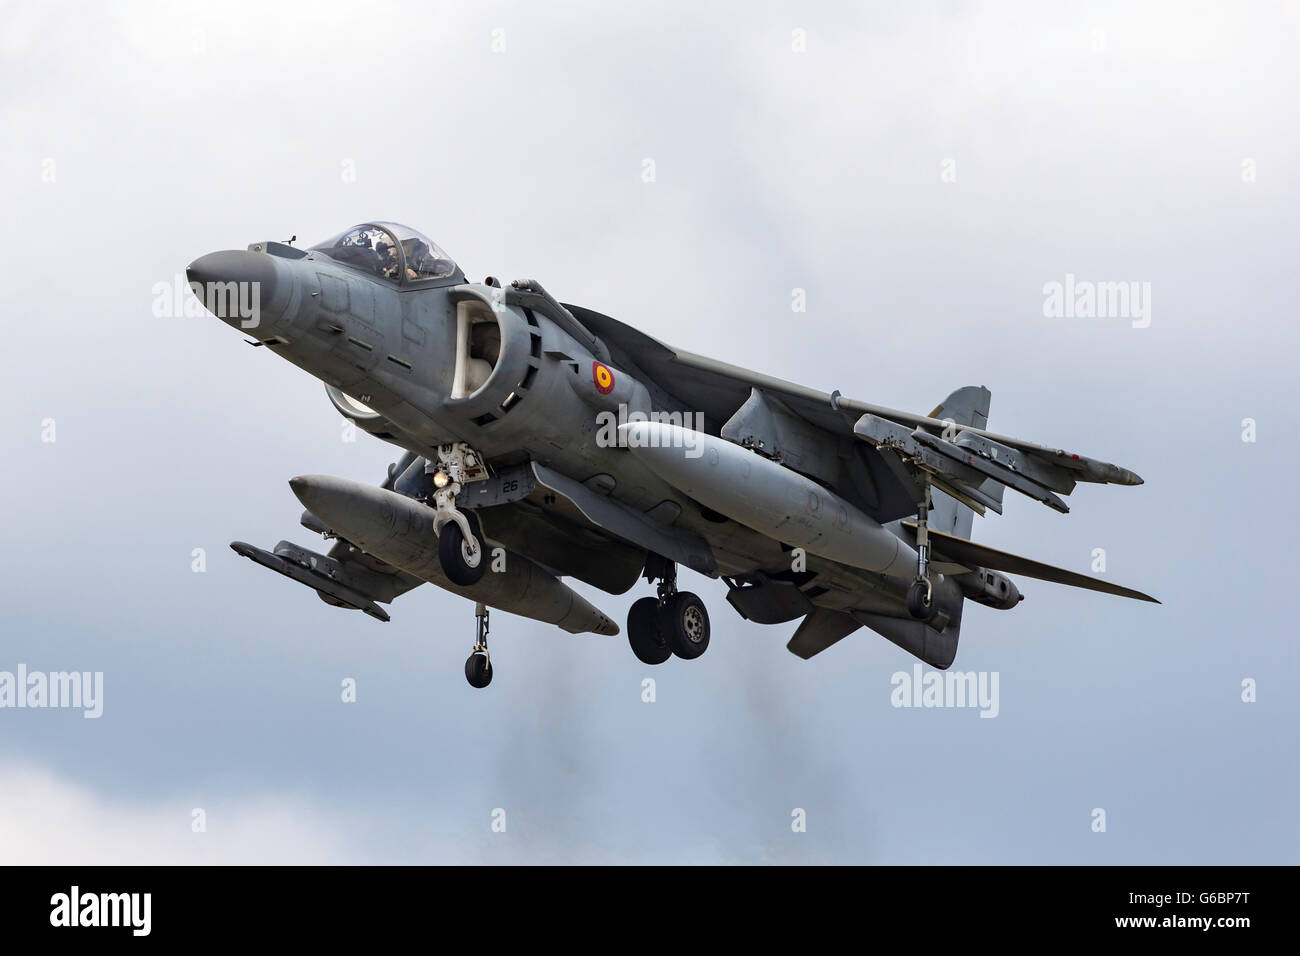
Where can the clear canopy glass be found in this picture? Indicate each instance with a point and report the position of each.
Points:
(389, 250)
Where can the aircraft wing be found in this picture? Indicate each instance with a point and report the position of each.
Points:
(971, 555)
(970, 463)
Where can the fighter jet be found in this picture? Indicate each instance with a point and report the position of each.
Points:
(544, 441)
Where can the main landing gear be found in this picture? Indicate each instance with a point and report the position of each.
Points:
(478, 668)
(920, 595)
(676, 622)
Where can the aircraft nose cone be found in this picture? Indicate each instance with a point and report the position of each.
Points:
(234, 285)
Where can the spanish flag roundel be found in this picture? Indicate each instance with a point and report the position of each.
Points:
(603, 377)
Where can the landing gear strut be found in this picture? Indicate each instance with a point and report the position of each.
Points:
(920, 595)
(676, 622)
(478, 668)
(461, 550)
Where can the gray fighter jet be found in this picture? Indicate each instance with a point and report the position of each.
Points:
(544, 440)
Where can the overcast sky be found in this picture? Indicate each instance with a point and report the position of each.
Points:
(922, 171)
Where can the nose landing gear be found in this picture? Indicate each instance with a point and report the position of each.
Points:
(461, 549)
(677, 622)
(461, 555)
(478, 667)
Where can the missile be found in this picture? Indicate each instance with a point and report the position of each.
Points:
(399, 531)
(283, 561)
(767, 497)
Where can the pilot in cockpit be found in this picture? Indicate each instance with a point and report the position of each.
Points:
(374, 248)
(419, 260)
(389, 263)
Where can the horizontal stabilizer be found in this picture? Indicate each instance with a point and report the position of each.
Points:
(974, 555)
(963, 467)
(991, 468)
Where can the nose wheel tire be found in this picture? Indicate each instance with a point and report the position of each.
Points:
(462, 561)
(643, 633)
(920, 600)
(478, 670)
(684, 622)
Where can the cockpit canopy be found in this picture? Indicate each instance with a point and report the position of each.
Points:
(390, 251)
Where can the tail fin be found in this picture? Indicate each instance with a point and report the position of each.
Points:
(966, 406)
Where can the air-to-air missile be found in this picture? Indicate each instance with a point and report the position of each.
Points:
(399, 531)
(762, 494)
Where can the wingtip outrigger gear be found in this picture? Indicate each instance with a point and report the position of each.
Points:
(920, 595)
(478, 667)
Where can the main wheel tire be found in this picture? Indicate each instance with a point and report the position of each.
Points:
(478, 670)
(643, 634)
(684, 621)
(460, 566)
(920, 600)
